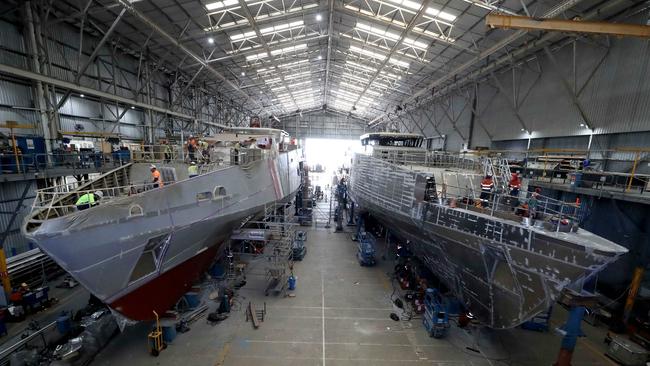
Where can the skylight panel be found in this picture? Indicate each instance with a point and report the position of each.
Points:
(358, 88)
(361, 67)
(295, 94)
(354, 77)
(257, 56)
(340, 104)
(415, 6)
(297, 47)
(272, 29)
(241, 36)
(377, 31)
(280, 51)
(221, 4)
(416, 44)
(368, 53)
(379, 56)
(282, 27)
(290, 64)
(291, 85)
(441, 14)
(340, 93)
(400, 63)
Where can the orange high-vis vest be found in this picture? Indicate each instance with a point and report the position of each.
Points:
(155, 176)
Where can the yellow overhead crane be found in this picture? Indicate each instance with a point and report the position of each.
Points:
(570, 26)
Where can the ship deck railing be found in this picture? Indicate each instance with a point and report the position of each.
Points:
(435, 159)
(62, 199)
(550, 214)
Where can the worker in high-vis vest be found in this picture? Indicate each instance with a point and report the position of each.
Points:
(156, 179)
(88, 200)
(193, 170)
(487, 186)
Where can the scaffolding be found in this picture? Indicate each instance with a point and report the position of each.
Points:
(279, 220)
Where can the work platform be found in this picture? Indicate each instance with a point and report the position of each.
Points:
(340, 316)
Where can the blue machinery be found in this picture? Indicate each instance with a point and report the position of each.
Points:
(366, 249)
(365, 245)
(436, 316)
(342, 199)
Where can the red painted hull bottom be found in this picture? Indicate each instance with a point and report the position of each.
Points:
(162, 293)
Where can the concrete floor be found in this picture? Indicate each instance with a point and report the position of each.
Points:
(339, 316)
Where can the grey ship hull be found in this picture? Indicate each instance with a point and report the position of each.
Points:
(504, 272)
(138, 264)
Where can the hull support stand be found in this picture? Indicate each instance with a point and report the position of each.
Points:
(576, 304)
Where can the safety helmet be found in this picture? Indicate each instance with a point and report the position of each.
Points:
(99, 194)
(152, 166)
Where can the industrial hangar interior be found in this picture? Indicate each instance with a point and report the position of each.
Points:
(324, 182)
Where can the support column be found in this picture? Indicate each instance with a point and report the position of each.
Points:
(48, 129)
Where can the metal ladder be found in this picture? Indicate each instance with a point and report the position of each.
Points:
(499, 170)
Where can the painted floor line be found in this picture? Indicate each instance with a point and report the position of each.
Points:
(350, 343)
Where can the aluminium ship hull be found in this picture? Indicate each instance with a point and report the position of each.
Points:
(138, 264)
(503, 272)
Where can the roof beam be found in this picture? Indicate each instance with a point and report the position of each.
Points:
(25, 74)
(489, 6)
(393, 50)
(260, 36)
(569, 26)
(452, 75)
(255, 51)
(92, 56)
(360, 14)
(144, 19)
(329, 51)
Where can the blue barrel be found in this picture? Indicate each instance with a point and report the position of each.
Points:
(63, 323)
(292, 283)
(169, 333)
(192, 299)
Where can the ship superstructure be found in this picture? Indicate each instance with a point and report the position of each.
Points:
(140, 248)
(505, 262)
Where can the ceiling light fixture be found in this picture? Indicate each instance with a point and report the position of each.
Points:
(211, 40)
(243, 73)
(319, 17)
(81, 95)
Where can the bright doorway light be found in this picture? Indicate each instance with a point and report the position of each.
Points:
(331, 153)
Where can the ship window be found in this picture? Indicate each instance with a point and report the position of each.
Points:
(151, 257)
(203, 196)
(219, 191)
(135, 210)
